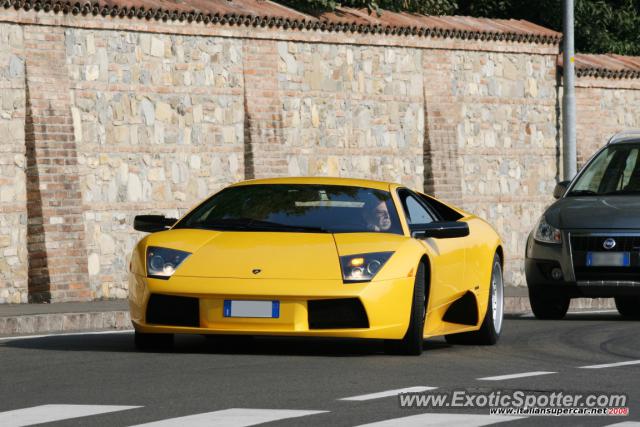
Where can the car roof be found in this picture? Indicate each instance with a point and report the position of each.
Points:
(632, 135)
(350, 182)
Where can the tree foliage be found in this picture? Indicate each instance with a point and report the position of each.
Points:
(601, 26)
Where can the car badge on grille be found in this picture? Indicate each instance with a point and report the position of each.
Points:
(609, 243)
(257, 270)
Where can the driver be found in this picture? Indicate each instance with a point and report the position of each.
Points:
(377, 216)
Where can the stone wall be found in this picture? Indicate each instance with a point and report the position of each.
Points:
(13, 195)
(158, 120)
(155, 116)
(604, 106)
(507, 138)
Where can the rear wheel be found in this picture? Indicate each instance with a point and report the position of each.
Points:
(546, 306)
(413, 339)
(491, 327)
(628, 307)
(148, 342)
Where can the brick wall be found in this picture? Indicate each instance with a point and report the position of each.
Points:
(113, 117)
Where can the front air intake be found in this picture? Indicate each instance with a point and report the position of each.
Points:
(172, 310)
(345, 313)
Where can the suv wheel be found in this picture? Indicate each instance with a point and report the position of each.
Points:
(628, 307)
(546, 306)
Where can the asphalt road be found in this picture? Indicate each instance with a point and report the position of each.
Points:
(282, 377)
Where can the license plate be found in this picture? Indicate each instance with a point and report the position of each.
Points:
(608, 259)
(244, 308)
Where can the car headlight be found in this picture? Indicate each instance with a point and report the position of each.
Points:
(546, 233)
(362, 267)
(163, 262)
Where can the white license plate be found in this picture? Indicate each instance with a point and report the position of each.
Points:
(608, 259)
(244, 308)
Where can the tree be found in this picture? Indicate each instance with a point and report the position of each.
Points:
(428, 7)
(602, 26)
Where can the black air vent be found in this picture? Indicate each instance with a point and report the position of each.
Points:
(173, 311)
(337, 314)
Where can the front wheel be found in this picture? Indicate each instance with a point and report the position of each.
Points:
(628, 307)
(546, 306)
(149, 342)
(491, 327)
(412, 342)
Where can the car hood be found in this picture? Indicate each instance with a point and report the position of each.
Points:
(277, 255)
(593, 212)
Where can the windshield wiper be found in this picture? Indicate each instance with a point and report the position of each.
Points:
(620, 192)
(582, 193)
(254, 224)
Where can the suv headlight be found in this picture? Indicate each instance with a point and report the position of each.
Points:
(546, 233)
(362, 267)
(163, 262)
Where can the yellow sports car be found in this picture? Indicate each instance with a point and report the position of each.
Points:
(326, 257)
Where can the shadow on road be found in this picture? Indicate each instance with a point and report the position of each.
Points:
(237, 345)
(603, 316)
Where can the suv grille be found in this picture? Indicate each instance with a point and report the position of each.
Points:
(581, 244)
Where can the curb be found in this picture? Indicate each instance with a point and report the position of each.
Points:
(64, 322)
(120, 319)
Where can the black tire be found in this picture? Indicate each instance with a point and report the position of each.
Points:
(489, 333)
(157, 342)
(411, 344)
(628, 307)
(546, 306)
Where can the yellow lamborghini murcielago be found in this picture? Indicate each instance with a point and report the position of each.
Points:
(326, 257)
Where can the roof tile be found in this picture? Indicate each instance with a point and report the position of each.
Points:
(268, 13)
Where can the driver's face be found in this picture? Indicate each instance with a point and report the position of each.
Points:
(381, 215)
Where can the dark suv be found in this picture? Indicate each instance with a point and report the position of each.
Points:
(587, 243)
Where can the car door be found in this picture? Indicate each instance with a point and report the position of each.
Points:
(447, 256)
(478, 250)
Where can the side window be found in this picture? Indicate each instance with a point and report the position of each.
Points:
(443, 211)
(416, 212)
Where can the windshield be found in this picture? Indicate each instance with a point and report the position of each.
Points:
(616, 170)
(297, 208)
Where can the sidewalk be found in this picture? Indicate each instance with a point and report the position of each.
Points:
(27, 319)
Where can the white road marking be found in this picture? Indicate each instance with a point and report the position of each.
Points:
(49, 413)
(388, 393)
(234, 417)
(625, 424)
(612, 365)
(66, 334)
(514, 376)
(444, 420)
(594, 312)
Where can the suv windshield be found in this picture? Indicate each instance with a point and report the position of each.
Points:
(297, 208)
(616, 170)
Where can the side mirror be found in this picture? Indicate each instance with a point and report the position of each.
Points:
(440, 230)
(152, 223)
(560, 189)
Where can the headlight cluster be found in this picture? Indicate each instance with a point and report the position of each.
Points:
(163, 262)
(362, 267)
(546, 233)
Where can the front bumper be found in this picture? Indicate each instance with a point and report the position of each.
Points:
(387, 305)
(541, 259)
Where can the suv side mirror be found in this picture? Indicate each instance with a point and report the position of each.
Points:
(152, 223)
(440, 230)
(560, 189)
